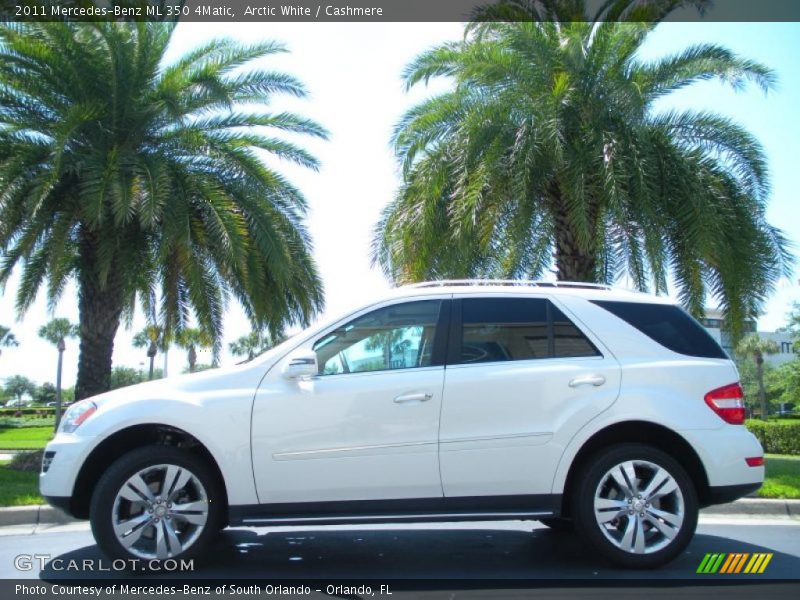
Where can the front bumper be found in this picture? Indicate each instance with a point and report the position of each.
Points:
(61, 503)
(66, 453)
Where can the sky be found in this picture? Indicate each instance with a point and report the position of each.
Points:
(352, 72)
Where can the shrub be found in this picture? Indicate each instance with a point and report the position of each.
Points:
(34, 412)
(8, 422)
(27, 461)
(777, 437)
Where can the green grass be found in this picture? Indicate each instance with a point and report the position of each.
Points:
(25, 438)
(782, 478)
(19, 488)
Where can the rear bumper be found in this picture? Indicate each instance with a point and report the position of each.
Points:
(723, 452)
(722, 494)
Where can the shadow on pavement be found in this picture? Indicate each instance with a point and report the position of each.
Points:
(496, 556)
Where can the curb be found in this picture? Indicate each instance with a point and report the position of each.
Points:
(754, 507)
(43, 514)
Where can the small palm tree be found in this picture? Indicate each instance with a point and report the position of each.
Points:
(7, 339)
(191, 339)
(255, 342)
(756, 347)
(19, 385)
(56, 332)
(152, 338)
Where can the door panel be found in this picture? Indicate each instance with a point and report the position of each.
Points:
(507, 417)
(366, 428)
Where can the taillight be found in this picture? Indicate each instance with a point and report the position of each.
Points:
(755, 461)
(728, 403)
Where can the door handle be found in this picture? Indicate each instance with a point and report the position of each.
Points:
(413, 397)
(594, 380)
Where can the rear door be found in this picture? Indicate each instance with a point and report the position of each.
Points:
(522, 377)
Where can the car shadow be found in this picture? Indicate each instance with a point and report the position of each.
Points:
(477, 557)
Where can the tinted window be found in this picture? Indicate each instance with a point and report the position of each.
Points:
(668, 325)
(569, 342)
(395, 337)
(503, 329)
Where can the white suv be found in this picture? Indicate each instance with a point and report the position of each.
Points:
(576, 405)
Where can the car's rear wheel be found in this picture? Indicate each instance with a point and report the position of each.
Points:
(156, 503)
(636, 505)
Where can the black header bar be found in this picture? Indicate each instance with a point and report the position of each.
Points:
(369, 11)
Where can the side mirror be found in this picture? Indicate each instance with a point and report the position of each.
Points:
(301, 364)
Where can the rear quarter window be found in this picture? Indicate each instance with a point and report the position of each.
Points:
(668, 325)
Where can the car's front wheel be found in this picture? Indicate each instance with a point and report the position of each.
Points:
(156, 503)
(636, 505)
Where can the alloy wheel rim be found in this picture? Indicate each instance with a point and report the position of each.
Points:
(639, 507)
(160, 511)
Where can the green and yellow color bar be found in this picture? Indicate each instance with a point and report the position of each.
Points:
(735, 562)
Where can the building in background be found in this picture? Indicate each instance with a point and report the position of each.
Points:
(713, 323)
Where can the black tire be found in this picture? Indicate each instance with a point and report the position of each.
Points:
(661, 548)
(559, 524)
(105, 495)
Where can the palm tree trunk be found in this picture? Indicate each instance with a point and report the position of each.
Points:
(100, 308)
(572, 263)
(762, 394)
(192, 359)
(58, 385)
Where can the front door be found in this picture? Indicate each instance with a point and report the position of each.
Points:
(366, 427)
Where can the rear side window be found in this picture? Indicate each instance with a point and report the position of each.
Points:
(507, 329)
(668, 325)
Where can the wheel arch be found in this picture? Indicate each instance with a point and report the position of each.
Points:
(125, 440)
(644, 432)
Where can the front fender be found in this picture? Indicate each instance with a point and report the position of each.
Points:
(220, 421)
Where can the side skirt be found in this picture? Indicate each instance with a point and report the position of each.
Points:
(411, 510)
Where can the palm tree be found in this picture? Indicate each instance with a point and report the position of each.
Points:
(756, 347)
(56, 332)
(548, 149)
(191, 339)
(152, 338)
(7, 339)
(255, 342)
(144, 179)
(19, 385)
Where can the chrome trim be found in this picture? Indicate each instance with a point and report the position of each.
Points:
(359, 450)
(443, 516)
(484, 438)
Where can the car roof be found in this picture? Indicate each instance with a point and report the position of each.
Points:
(590, 291)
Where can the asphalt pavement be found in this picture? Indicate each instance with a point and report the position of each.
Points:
(524, 552)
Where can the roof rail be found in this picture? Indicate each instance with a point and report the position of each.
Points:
(510, 283)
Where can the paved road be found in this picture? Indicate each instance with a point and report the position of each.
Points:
(492, 551)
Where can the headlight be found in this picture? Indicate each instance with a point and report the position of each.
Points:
(76, 414)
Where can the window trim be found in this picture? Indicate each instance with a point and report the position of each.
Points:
(456, 338)
(440, 334)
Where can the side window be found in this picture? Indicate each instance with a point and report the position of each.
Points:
(506, 329)
(668, 325)
(568, 341)
(498, 329)
(394, 337)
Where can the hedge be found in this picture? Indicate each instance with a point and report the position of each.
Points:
(28, 411)
(777, 437)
